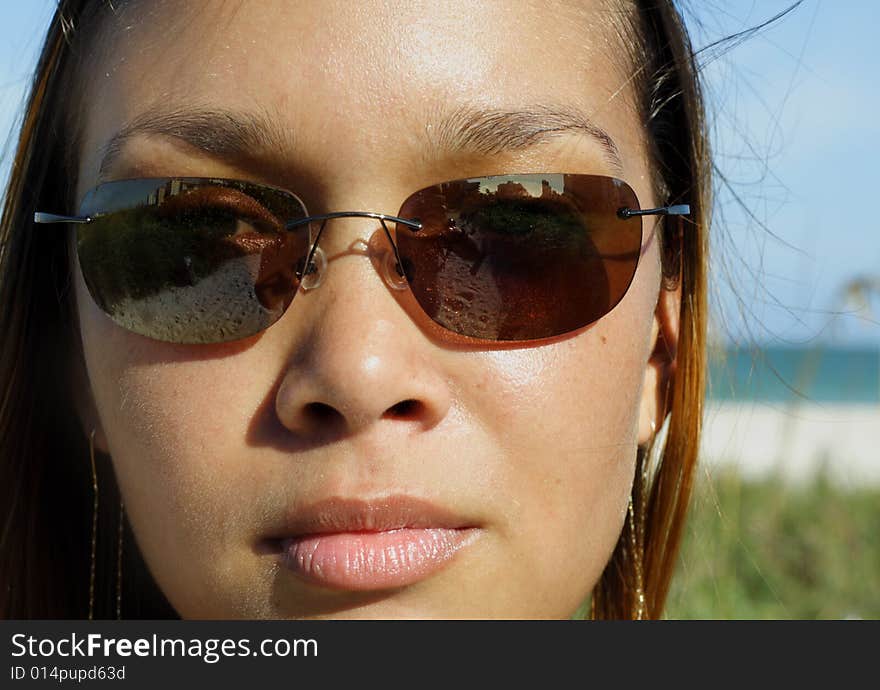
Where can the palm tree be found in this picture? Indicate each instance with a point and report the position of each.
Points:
(857, 292)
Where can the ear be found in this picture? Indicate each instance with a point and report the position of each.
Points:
(661, 365)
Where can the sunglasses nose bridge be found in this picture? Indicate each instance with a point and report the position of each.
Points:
(315, 269)
(383, 253)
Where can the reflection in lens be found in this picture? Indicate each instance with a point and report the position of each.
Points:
(521, 257)
(205, 264)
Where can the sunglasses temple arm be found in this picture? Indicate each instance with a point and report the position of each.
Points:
(677, 210)
(40, 217)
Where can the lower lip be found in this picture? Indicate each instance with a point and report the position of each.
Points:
(373, 560)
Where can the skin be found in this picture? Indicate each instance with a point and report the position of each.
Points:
(534, 445)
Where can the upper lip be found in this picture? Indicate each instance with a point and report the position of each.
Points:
(337, 514)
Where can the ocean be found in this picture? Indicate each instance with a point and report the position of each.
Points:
(791, 374)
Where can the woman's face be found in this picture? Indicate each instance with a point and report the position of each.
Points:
(343, 463)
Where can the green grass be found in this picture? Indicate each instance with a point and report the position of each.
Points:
(764, 549)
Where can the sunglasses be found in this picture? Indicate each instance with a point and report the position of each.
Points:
(486, 259)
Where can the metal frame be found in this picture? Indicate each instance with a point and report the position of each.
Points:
(43, 218)
(40, 217)
(414, 225)
(677, 210)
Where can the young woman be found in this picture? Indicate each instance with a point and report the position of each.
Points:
(352, 310)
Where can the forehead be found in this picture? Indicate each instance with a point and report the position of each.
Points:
(342, 80)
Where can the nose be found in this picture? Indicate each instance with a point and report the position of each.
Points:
(358, 360)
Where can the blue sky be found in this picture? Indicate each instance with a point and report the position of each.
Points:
(795, 132)
(794, 113)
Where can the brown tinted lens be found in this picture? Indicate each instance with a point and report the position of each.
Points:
(191, 260)
(520, 257)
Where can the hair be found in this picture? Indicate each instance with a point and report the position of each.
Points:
(45, 474)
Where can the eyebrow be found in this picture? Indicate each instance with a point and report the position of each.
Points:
(485, 131)
(494, 131)
(221, 133)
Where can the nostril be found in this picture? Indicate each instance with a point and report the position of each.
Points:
(404, 409)
(322, 414)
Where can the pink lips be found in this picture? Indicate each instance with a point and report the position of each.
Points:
(369, 545)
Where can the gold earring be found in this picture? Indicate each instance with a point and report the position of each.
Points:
(94, 527)
(637, 562)
(646, 462)
(119, 534)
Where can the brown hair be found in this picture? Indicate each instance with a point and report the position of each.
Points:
(45, 478)
(671, 106)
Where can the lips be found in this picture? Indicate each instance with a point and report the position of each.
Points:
(368, 545)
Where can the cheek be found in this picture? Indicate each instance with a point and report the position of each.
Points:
(171, 428)
(167, 421)
(577, 397)
(566, 419)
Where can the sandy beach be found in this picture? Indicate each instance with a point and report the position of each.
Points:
(797, 440)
